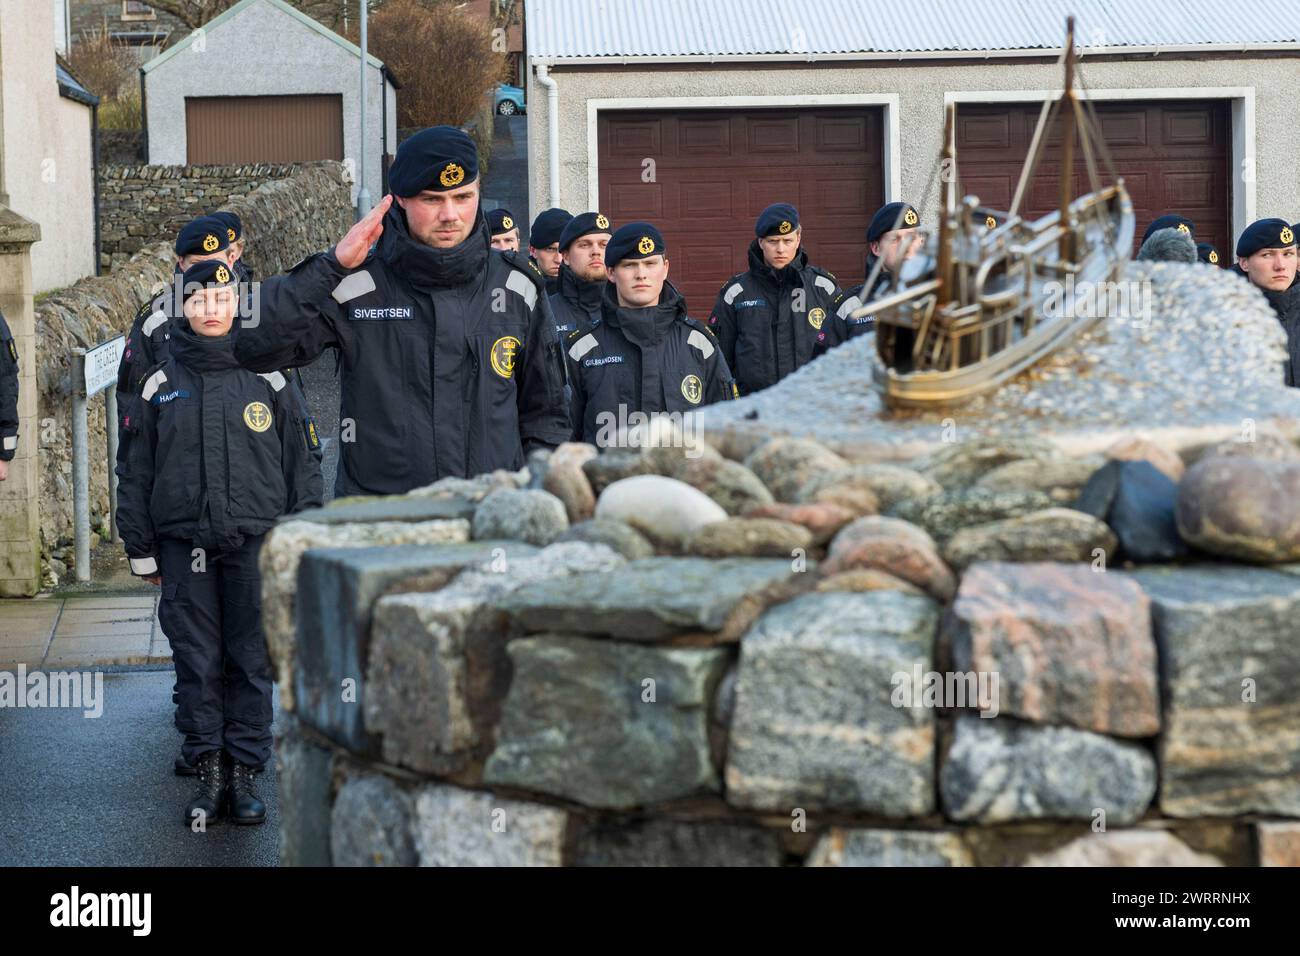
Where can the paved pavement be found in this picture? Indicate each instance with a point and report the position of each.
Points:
(85, 791)
(53, 631)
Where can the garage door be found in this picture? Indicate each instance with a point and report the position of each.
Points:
(263, 129)
(1173, 155)
(703, 177)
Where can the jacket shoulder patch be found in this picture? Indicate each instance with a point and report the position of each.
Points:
(732, 291)
(847, 306)
(521, 285)
(152, 323)
(824, 283)
(276, 379)
(582, 346)
(356, 284)
(701, 342)
(151, 384)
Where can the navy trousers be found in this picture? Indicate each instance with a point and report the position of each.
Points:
(211, 612)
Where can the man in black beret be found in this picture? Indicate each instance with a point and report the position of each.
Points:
(891, 236)
(544, 244)
(1266, 256)
(448, 356)
(505, 234)
(582, 278)
(782, 312)
(1170, 221)
(645, 354)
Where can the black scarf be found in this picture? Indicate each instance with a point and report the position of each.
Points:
(578, 291)
(426, 267)
(644, 326)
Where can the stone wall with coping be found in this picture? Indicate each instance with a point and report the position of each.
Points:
(646, 658)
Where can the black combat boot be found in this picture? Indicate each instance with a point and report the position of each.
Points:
(182, 767)
(205, 802)
(242, 804)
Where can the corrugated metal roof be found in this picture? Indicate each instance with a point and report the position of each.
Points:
(564, 29)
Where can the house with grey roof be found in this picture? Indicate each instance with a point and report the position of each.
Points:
(698, 115)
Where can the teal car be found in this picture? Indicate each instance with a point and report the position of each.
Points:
(509, 100)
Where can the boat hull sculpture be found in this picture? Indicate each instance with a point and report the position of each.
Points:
(991, 293)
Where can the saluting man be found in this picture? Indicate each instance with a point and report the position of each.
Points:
(645, 354)
(783, 311)
(449, 361)
(582, 277)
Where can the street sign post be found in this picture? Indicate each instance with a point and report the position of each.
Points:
(93, 371)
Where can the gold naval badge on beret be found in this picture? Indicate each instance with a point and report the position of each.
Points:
(222, 274)
(991, 222)
(909, 217)
(210, 243)
(1286, 235)
(451, 175)
(1182, 227)
(784, 227)
(601, 222)
(646, 245)
(507, 222)
(257, 416)
(230, 234)
(1214, 257)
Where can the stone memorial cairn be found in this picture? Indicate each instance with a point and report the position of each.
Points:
(699, 656)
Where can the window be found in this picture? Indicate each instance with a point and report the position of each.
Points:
(137, 10)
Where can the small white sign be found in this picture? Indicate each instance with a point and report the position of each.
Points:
(102, 363)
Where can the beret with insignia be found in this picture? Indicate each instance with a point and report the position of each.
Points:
(202, 236)
(548, 226)
(635, 240)
(583, 224)
(891, 216)
(234, 227)
(439, 158)
(206, 274)
(1181, 223)
(778, 219)
(1265, 234)
(500, 221)
(1207, 253)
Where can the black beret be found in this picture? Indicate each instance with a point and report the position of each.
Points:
(904, 214)
(778, 219)
(202, 236)
(1207, 253)
(234, 228)
(438, 158)
(1265, 234)
(209, 272)
(636, 240)
(500, 221)
(1181, 223)
(548, 226)
(581, 225)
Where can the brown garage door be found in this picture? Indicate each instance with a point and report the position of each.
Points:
(714, 171)
(263, 129)
(1173, 155)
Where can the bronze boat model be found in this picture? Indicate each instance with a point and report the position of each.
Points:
(991, 293)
